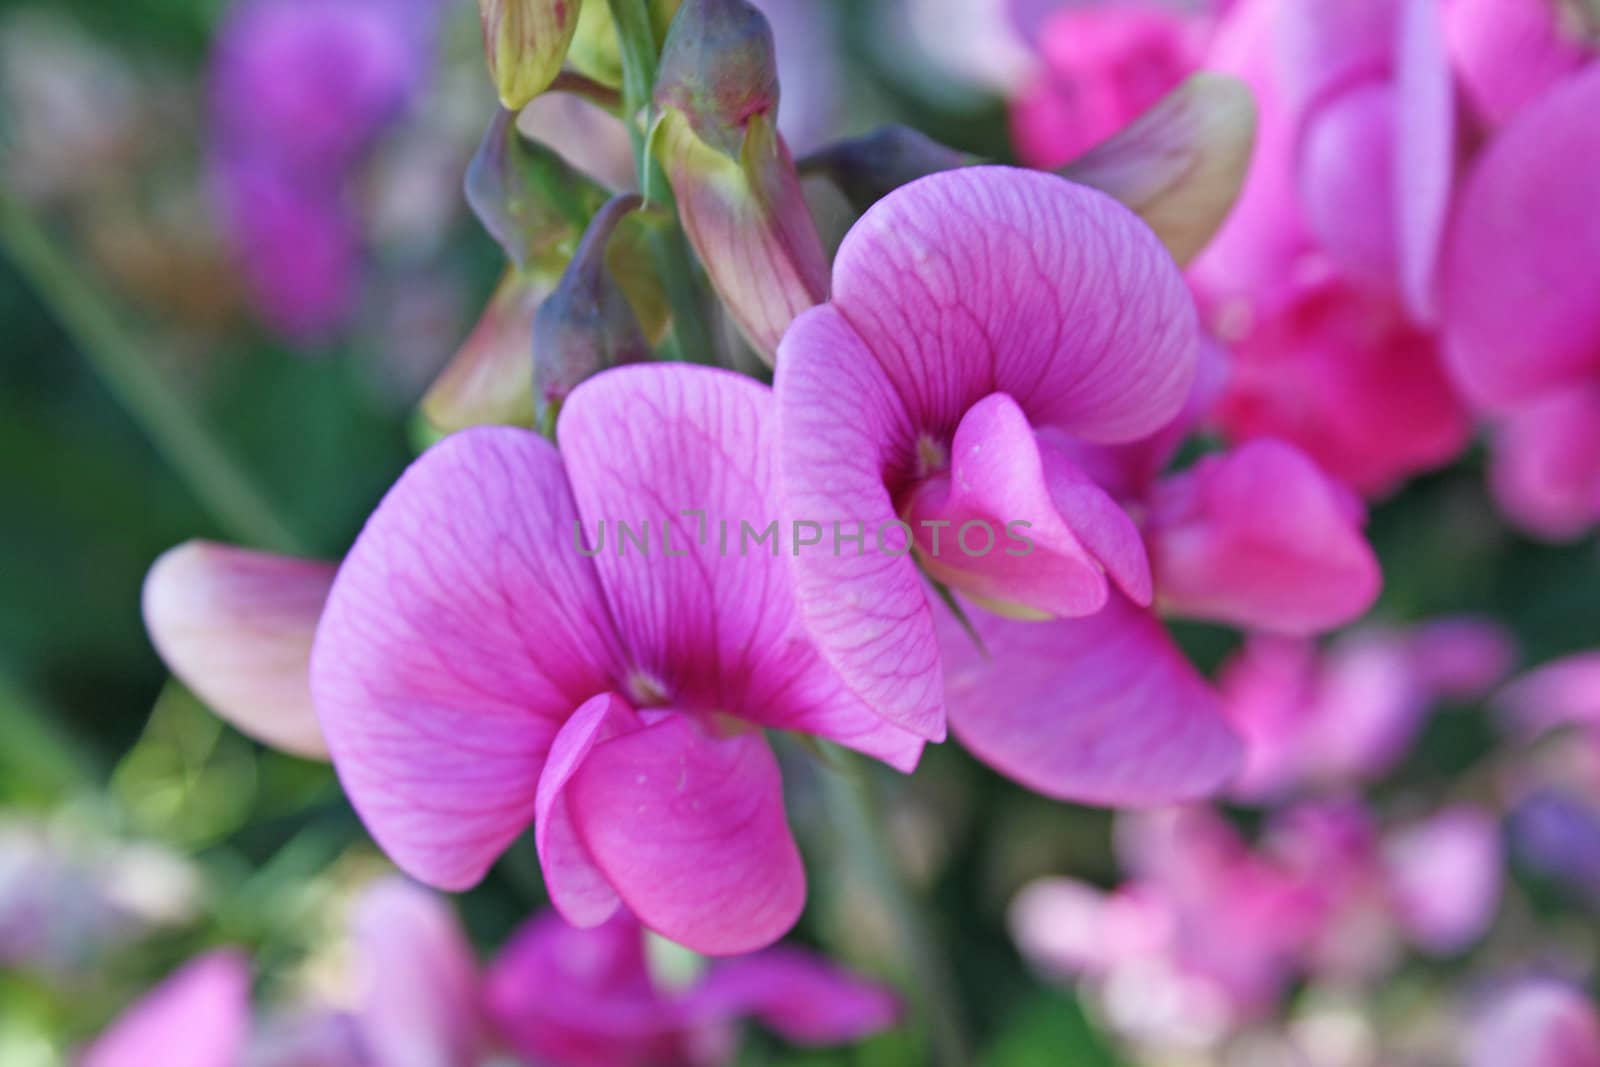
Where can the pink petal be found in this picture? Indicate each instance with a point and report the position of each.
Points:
(199, 1017)
(798, 995)
(1565, 692)
(1261, 538)
(1509, 55)
(1445, 874)
(1545, 471)
(576, 886)
(417, 979)
(840, 425)
(708, 618)
(236, 626)
(989, 279)
(1425, 129)
(1102, 710)
(462, 630)
(996, 479)
(690, 831)
(1348, 182)
(1462, 657)
(1535, 1024)
(1518, 318)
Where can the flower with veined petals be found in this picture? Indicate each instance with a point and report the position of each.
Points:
(475, 672)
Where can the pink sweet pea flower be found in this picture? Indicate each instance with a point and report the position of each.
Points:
(1535, 1024)
(1446, 874)
(199, 1017)
(975, 314)
(476, 670)
(1545, 466)
(1508, 55)
(571, 997)
(1562, 693)
(1101, 65)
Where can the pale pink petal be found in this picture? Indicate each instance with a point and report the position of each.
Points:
(1323, 49)
(1565, 692)
(236, 627)
(1445, 875)
(690, 831)
(1545, 470)
(1535, 1024)
(199, 1017)
(800, 996)
(840, 425)
(686, 457)
(1509, 55)
(576, 886)
(1261, 538)
(462, 630)
(1101, 710)
(1518, 318)
(1425, 129)
(1069, 929)
(416, 979)
(989, 279)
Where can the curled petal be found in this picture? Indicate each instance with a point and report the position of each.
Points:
(1181, 165)
(489, 381)
(1262, 538)
(236, 626)
(1101, 710)
(461, 631)
(690, 831)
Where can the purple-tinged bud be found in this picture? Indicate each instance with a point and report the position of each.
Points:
(587, 324)
(1180, 165)
(487, 382)
(529, 199)
(236, 627)
(739, 195)
(526, 42)
(866, 169)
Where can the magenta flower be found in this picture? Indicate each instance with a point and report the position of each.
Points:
(1508, 55)
(476, 670)
(199, 1017)
(587, 998)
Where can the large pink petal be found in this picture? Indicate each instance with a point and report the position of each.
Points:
(706, 613)
(690, 830)
(577, 887)
(1261, 538)
(1519, 311)
(417, 979)
(1546, 467)
(989, 279)
(1425, 129)
(841, 426)
(1102, 710)
(800, 996)
(199, 1017)
(236, 626)
(462, 629)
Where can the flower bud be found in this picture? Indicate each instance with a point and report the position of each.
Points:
(738, 193)
(866, 169)
(526, 42)
(487, 383)
(1180, 165)
(528, 198)
(587, 324)
(595, 52)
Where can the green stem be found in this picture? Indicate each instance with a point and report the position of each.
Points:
(637, 43)
(852, 802)
(86, 315)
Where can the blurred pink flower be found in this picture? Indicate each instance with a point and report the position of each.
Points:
(199, 1017)
(1445, 874)
(1535, 1024)
(475, 672)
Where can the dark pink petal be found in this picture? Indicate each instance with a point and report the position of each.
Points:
(1445, 874)
(462, 630)
(989, 279)
(800, 996)
(690, 831)
(1462, 657)
(963, 520)
(1509, 55)
(1545, 471)
(1325, 49)
(1519, 318)
(236, 626)
(841, 425)
(1535, 1024)
(1102, 710)
(417, 977)
(1425, 129)
(1261, 538)
(199, 1017)
(576, 886)
(705, 611)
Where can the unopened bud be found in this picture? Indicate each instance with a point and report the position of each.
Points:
(587, 324)
(487, 382)
(526, 42)
(719, 70)
(595, 52)
(866, 169)
(529, 199)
